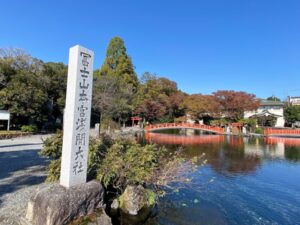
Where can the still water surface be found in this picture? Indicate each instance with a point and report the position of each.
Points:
(245, 181)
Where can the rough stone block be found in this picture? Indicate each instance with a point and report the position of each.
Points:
(57, 205)
(133, 199)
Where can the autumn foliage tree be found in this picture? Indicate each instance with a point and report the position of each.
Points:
(151, 110)
(233, 104)
(200, 106)
(158, 99)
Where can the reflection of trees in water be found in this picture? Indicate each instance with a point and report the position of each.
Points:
(292, 153)
(226, 157)
(291, 146)
(225, 154)
(231, 155)
(232, 158)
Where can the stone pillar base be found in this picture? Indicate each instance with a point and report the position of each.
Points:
(57, 205)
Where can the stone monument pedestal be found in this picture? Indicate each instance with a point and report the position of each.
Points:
(57, 205)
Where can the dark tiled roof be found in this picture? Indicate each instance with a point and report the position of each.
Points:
(271, 103)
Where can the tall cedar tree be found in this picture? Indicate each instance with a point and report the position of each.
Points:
(118, 63)
(115, 84)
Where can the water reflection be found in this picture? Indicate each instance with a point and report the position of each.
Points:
(173, 139)
(230, 155)
(256, 181)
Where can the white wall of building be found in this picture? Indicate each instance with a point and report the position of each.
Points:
(269, 110)
(294, 100)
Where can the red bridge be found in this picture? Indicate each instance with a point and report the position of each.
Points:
(281, 132)
(165, 126)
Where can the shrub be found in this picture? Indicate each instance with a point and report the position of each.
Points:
(29, 128)
(108, 124)
(219, 122)
(53, 146)
(54, 170)
(127, 162)
(250, 122)
(259, 130)
(118, 163)
(53, 150)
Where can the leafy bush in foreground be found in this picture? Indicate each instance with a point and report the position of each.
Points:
(29, 128)
(127, 162)
(122, 162)
(53, 150)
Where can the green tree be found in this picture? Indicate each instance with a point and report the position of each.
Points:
(33, 91)
(115, 84)
(118, 63)
(273, 98)
(112, 99)
(55, 77)
(25, 98)
(292, 114)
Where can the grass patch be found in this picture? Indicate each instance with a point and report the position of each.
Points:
(13, 134)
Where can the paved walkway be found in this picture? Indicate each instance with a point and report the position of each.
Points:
(22, 170)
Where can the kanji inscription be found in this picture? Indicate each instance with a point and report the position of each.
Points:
(77, 117)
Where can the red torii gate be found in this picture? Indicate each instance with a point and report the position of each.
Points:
(134, 119)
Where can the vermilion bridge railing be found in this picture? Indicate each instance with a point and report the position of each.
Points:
(281, 132)
(160, 126)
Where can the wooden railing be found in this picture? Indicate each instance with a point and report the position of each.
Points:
(213, 129)
(281, 132)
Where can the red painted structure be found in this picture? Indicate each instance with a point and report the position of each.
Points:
(286, 141)
(134, 119)
(164, 126)
(183, 140)
(281, 132)
(238, 126)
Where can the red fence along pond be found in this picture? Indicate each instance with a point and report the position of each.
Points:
(281, 132)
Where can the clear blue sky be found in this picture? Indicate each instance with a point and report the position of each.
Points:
(250, 45)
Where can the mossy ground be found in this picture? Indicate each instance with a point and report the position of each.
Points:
(85, 220)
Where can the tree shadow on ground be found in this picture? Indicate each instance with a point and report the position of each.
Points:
(18, 145)
(19, 169)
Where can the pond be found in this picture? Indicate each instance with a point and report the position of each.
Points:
(245, 181)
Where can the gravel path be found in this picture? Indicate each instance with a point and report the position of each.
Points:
(22, 172)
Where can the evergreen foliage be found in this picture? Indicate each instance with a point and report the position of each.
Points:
(118, 64)
(292, 114)
(33, 91)
(115, 84)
